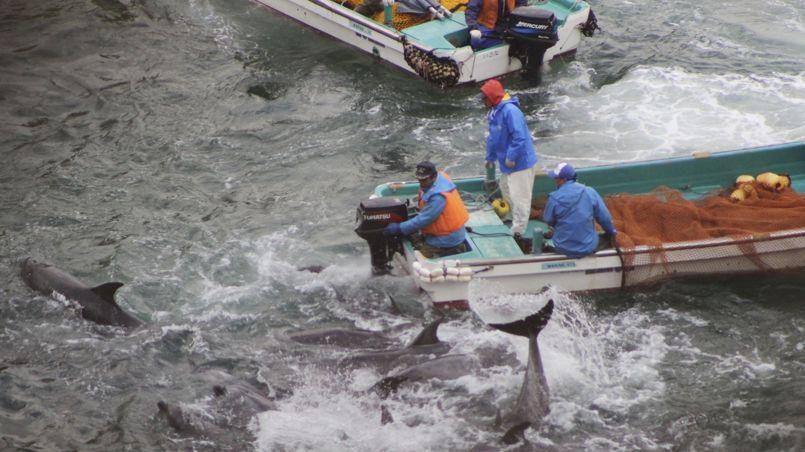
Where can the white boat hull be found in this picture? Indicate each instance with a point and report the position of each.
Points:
(605, 269)
(386, 43)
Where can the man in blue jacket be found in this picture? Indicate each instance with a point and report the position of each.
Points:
(509, 143)
(570, 212)
(442, 214)
(486, 20)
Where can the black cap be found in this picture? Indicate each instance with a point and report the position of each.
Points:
(425, 170)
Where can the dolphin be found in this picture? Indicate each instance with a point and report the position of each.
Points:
(533, 402)
(447, 367)
(423, 347)
(241, 399)
(97, 303)
(341, 337)
(231, 408)
(186, 422)
(311, 268)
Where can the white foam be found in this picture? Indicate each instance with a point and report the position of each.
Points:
(673, 314)
(324, 416)
(739, 366)
(657, 112)
(770, 431)
(590, 366)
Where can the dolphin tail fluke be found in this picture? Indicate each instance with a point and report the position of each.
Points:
(428, 335)
(387, 385)
(106, 292)
(529, 326)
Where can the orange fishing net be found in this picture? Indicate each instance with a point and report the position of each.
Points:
(664, 216)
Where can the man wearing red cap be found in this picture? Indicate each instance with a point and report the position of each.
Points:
(509, 143)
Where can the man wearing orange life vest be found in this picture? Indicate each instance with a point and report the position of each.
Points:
(441, 217)
(486, 20)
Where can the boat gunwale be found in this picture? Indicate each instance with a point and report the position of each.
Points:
(694, 156)
(639, 250)
(357, 17)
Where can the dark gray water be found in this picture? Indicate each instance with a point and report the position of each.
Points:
(201, 151)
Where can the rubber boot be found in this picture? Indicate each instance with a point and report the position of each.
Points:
(523, 243)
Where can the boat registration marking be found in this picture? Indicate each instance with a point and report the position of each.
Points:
(360, 28)
(489, 54)
(555, 265)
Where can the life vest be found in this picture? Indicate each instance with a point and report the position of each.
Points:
(454, 215)
(488, 17)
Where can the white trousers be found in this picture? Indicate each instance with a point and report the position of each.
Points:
(516, 189)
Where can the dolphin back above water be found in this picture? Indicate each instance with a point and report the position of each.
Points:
(425, 344)
(447, 367)
(97, 303)
(533, 402)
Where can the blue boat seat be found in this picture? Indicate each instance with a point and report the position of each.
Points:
(488, 236)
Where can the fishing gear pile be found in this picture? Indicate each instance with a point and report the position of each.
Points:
(741, 215)
(590, 26)
(442, 71)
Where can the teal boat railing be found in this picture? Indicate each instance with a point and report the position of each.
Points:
(694, 176)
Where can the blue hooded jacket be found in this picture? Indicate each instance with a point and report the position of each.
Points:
(434, 205)
(509, 137)
(570, 212)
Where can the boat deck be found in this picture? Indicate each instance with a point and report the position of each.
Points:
(452, 32)
(490, 237)
(441, 34)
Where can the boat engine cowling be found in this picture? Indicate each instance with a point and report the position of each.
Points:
(372, 217)
(531, 31)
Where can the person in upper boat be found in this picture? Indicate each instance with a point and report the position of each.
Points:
(441, 217)
(570, 212)
(486, 20)
(509, 143)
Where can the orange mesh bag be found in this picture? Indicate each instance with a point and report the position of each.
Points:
(664, 217)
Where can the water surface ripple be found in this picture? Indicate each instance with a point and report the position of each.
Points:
(201, 151)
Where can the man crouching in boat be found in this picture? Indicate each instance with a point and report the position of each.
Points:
(486, 20)
(441, 217)
(570, 212)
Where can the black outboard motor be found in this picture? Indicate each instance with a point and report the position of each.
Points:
(373, 215)
(531, 31)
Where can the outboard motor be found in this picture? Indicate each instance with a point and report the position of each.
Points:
(372, 217)
(531, 31)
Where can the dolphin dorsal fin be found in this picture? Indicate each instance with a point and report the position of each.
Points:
(385, 415)
(395, 308)
(106, 292)
(428, 335)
